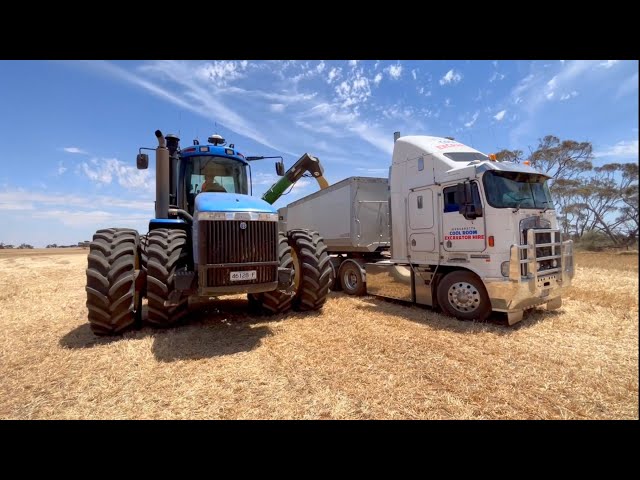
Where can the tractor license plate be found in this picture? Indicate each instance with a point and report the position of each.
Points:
(247, 275)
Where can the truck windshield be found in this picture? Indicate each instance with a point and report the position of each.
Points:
(208, 173)
(466, 156)
(517, 190)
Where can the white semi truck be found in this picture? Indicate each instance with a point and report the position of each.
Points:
(466, 233)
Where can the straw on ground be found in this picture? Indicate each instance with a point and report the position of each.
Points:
(359, 358)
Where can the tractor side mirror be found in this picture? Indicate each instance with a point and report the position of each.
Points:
(142, 161)
(280, 168)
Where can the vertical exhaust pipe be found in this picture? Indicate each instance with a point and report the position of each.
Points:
(162, 177)
(396, 136)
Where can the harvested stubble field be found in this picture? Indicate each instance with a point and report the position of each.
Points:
(360, 358)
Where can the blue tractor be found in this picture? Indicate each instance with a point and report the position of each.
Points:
(209, 238)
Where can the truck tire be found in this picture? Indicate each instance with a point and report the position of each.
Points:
(274, 302)
(113, 302)
(350, 276)
(461, 294)
(166, 252)
(312, 269)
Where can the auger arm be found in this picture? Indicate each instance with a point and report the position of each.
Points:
(306, 163)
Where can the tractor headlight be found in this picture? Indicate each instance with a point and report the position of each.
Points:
(504, 268)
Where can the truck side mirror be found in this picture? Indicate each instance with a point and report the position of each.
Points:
(467, 205)
(280, 168)
(142, 161)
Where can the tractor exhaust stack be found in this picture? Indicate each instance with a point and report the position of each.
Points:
(162, 177)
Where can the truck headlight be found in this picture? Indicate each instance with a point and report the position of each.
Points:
(504, 268)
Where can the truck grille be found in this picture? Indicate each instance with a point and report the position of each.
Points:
(224, 241)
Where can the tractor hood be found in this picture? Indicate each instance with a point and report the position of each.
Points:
(231, 202)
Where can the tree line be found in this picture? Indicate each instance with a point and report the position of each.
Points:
(596, 205)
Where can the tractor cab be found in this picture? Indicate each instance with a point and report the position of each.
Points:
(210, 169)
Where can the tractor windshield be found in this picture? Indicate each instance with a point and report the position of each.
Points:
(215, 174)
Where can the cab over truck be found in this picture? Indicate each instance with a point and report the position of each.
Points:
(467, 234)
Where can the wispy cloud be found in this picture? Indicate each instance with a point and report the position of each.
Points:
(277, 107)
(334, 74)
(378, 78)
(622, 149)
(496, 76)
(567, 96)
(450, 77)
(470, 123)
(19, 196)
(103, 171)
(630, 85)
(75, 150)
(199, 90)
(500, 115)
(608, 63)
(394, 71)
(354, 90)
(414, 74)
(61, 168)
(78, 218)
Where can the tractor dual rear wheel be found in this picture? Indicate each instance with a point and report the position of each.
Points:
(114, 302)
(305, 252)
(167, 251)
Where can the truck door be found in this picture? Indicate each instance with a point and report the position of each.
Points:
(458, 233)
(422, 235)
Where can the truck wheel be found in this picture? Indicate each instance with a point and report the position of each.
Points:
(276, 301)
(351, 278)
(312, 269)
(462, 294)
(166, 252)
(113, 302)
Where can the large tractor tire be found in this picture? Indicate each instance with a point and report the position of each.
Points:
(166, 252)
(274, 302)
(312, 269)
(351, 279)
(461, 294)
(113, 301)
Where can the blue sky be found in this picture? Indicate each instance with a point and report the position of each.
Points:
(73, 128)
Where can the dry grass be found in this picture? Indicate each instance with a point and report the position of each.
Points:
(359, 358)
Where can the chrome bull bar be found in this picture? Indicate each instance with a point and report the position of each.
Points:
(525, 255)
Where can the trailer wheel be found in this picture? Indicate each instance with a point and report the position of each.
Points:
(461, 294)
(351, 279)
(113, 301)
(166, 252)
(312, 269)
(274, 302)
